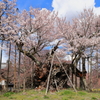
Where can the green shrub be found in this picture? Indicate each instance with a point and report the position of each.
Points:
(94, 98)
(82, 93)
(46, 97)
(12, 97)
(7, 94)
(64, 99)
(66, 92)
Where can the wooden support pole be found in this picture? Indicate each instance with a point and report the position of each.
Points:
(66, 74)
(47, 88)
(56, 85)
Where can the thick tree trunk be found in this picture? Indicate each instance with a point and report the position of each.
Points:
(83, 84)
(72, 78)
(31, 55)
(76, 75)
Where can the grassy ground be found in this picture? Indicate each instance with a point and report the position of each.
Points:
(40, 95)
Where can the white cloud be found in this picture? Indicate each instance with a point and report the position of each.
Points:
(4, 59)
(68, 58)
(71, 8)
(54, 42)
(97, 10)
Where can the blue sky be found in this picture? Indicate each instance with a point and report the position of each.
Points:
(25, 4)
(65, 8)
(97, 3)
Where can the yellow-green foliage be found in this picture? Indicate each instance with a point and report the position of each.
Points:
(61, 95)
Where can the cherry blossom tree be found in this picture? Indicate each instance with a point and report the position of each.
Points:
(30, 30)
(34, 30)
(80, 35)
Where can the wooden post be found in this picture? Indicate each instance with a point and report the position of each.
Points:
(47, 88)
(56, 85)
